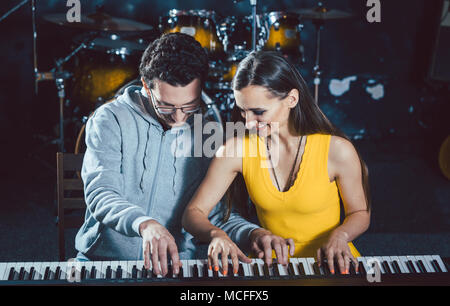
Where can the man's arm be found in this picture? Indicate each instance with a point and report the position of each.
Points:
(102, 177)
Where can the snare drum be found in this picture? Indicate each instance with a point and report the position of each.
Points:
(283, 30)
(201, 24)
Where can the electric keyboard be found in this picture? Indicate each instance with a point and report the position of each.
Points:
(371, 270)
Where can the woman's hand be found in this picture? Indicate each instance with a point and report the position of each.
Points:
(263, 242)
(336, 249)
(222, 244)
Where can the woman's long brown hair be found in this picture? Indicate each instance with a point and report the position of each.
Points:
(275, 73)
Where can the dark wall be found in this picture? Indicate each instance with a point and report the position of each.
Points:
(390, 57)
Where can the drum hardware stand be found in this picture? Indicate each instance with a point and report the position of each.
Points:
(18, 6)
(316, 69)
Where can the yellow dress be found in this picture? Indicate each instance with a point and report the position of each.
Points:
(309, 210)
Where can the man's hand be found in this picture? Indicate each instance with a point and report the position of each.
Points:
(263, 241)
(156, 243)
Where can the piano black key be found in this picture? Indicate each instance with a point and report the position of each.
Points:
(396, 267)
(108, 272)
(241, 270)
(31, 274)
(47, 273)
(256, 270)
(119, 272)
(291, 271)
(386, 267)
(83, 273)
(436, 266)
(276, 271)
(421, 266)
(410, 266)
(93, 272)
(57, 272)
(21, 273)
(180, 275)
(352, 269)
(11, 274)
(195, 271)
(316, 269)
(361, 268)
(230, 271)
(301, 269)
(266, 270)
(205, 270)
(134, 272)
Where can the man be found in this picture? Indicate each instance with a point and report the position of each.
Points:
(136, 184)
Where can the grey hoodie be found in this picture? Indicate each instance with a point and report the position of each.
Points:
(133, 171)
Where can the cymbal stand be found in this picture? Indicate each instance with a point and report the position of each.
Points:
(253, 5)
(316, 69)
(18, 6)
(59, 75)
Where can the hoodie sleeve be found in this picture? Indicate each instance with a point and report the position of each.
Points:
(102, 177)
(236, 227)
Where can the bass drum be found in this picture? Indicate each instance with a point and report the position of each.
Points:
(211, 113)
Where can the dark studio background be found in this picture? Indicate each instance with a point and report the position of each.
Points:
(399, 134)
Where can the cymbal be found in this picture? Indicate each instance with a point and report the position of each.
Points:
(99, 22)
(323, 13)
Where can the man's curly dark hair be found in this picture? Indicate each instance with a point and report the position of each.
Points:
(174, 58)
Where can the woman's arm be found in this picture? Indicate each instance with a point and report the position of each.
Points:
(345, 166)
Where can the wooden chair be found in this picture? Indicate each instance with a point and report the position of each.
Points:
(70, 196)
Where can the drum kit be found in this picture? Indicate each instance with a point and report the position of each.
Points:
(105, 58)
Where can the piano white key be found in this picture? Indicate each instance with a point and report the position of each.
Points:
(186, 270)
(428, 259)
(3, 271)
(260, 263)
(294, 262)
(98, 269)
(283, 270)
(397, 260)
(37, 268)
(310, 262)
(248, 271)
(305, 264)
(404, 260)
(440, 262)
(51, 274)
(369, 269)
(139, 268)
(9, 265)
(413, 260)
(427, 267)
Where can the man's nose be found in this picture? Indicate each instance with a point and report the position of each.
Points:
(179, 116)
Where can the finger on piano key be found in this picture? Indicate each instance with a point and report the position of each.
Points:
(440, 263)
(248, 269)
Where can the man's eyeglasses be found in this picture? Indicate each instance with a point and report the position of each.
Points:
(169, 110)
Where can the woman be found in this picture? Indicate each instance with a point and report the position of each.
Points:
(302, 166)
